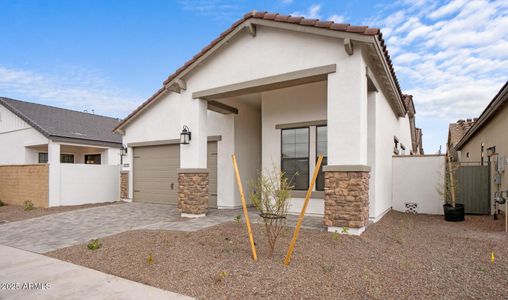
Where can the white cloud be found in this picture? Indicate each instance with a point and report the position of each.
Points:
(74, 89)
(447, 9)
(337, 18)
(311, 13)
(314, 12)
(452, 57)
(454, 65)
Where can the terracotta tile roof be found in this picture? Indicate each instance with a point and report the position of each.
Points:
(458, 130)
(330, 25)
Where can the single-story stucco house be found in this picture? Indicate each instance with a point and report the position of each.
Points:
(277, 91)
(54, 156)
(486, 142)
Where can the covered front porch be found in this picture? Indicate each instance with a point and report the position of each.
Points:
(285, 122)
(73, 174)
(71, 153)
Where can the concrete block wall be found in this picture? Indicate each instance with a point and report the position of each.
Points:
(19, 183)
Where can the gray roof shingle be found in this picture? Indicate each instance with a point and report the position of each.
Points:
(64, 123)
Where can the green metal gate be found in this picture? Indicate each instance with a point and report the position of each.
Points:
(473, 189)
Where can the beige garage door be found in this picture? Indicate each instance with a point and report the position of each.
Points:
(212, 179)
(155, 174)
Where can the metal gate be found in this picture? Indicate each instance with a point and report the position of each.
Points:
(473, 188)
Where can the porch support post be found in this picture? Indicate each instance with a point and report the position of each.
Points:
(193, 172)
(347, 174)
(54, 174)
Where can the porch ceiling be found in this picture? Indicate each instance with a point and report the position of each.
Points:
(267, 83)
(79, 149)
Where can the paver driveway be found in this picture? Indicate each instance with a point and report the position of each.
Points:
(55, 231)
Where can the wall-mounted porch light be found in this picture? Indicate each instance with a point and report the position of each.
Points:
(185, 136)
(491, 150)
(123, 150)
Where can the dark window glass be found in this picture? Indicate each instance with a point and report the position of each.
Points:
(295, 156)
(321, 148)
(93, 159)
(67, 158)
(43, 158)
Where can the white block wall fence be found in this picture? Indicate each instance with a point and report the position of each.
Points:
(417, 180)
(82, 184)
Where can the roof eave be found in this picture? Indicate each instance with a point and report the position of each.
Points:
(494, 105)
(24, 118)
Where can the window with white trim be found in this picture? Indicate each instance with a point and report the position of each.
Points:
(321, 148)
(295, 156)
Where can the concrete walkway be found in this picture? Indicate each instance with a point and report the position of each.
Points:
(56, 231)
(54, 279)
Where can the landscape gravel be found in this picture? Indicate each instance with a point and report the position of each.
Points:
(11, 213)
(400, 257)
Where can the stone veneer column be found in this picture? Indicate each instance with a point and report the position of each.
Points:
(124, 185)
(193, 192)
(346, 198)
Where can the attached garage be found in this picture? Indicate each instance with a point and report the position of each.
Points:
(155, 174)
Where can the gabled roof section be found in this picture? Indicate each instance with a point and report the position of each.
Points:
(499, 101)
(54, 122)
(274, 17)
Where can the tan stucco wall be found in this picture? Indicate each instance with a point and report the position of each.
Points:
(19, 183)
(492, 133)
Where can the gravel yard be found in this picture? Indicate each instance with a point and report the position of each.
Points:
(402, 256)
(13, 213)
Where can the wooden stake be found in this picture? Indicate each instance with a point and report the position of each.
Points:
(452, 183)
(302, 213)
(245, 212)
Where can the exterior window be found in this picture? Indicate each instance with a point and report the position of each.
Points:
(295, 156)
(43, 158)
(93, 159)
(67, 158)
(321, 148)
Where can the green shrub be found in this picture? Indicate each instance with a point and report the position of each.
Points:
(94, 244)
(238, 219)
(28, 205)
(1, 203)
(221, 276)
(149, 259)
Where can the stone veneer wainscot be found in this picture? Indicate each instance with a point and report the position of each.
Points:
(346, 199)
(193, 192)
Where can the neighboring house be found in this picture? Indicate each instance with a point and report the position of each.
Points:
(419, 141)
(277, 91)
(455, 133)
(487, 140)
(416, 133)
(75, 155)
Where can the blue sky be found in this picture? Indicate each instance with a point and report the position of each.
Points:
(111, 55)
